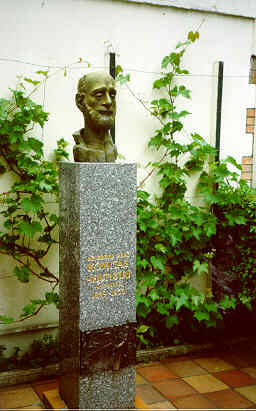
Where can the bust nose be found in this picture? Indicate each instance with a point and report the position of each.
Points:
(107, 100)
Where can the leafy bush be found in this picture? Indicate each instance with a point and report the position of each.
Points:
(176, 240)
(41, 352)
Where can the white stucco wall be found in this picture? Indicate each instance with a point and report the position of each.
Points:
(59, 32)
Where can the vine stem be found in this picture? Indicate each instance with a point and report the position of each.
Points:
(152, 171)
(27, 317)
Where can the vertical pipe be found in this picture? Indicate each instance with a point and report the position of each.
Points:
(254, 134)
(112, 72)
(219, 107)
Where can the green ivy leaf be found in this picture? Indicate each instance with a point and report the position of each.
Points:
(157, 263)
(201, 315)
(6, 320)
(181, 301)
(171, 321)
(142, 329)
(162, 248)
(29, 80)
(30, 229)
(200, 268)
(154, 295)
(123, 78)
(34, 203)
(54, 218)
(165, 61)
(22, 274)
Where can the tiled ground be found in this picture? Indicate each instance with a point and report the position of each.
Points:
(224, 380)
(221, 381)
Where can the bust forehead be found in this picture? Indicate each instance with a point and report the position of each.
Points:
(95, 80)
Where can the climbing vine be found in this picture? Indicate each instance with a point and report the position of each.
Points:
(29, 230)
(177, 240)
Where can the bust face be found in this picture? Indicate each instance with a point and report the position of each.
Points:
(96, 98)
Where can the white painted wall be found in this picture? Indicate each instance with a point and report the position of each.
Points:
(59, 32)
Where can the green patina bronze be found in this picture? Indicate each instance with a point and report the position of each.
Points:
(96, 99)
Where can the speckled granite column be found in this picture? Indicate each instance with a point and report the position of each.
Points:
(97, 284)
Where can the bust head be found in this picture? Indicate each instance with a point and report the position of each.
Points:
(96, 99)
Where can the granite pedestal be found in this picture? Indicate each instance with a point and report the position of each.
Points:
(97, 285)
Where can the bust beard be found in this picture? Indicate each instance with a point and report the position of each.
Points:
(100, 120)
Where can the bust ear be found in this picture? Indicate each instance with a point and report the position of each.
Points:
(79, 101)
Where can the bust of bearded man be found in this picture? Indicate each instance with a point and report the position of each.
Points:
(96, 99)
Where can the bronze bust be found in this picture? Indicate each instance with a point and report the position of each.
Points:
(96, 99)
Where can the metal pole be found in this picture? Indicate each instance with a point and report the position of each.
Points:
(219, 107)
(112, 72)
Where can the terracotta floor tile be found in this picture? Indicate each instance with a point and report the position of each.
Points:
(174, 388)
(14, 387)
(148, 394)
(156, 373)
(248, 392)
(214, 364)
(41, 386)
(235, 378)
(163, 405)
(140, 380)
(15, 397)
(53, 399)
(205, 383)
(228, 399)
(186, 368)
(193, 401)
(250, 371)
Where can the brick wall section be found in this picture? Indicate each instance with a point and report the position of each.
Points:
(247, 168)
(250, 120)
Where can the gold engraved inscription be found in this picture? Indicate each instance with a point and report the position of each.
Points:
(106, 274)
(108, 256)
(109, 265)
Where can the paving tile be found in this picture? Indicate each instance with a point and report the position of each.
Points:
(214, 364)
(186, 368)
(140, 380)
(248, 392)
(14, 387)
(228, 399)
(174, 388)
(163, 405)
(148, 394)
(196, 401)
(250, 371)
(205, 383)
(235, 378)
(46, 385)
(16, 396)
(156, 373)
(53, 400)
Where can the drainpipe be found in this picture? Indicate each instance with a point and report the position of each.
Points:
(219, 107)
(254, 134)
